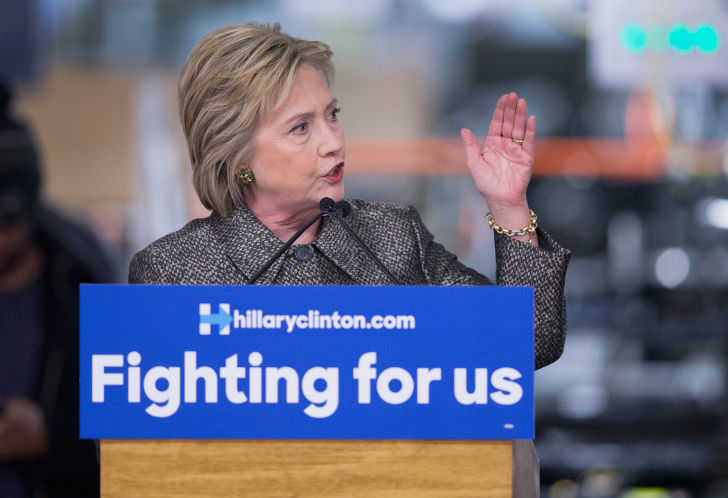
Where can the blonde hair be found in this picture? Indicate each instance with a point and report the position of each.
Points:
(233, 78)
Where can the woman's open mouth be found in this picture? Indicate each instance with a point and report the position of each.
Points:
(336, 174)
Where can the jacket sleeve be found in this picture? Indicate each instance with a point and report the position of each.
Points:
(543, 268)
(144, 270)
(518, 264)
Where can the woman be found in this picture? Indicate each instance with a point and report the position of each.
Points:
(266, 146)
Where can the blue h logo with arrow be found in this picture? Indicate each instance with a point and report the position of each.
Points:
(222, 318)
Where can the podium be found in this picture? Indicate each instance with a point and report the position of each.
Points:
(214, 391)
(305, 468)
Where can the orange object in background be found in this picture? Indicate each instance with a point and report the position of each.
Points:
(640, 159)
(641, 156)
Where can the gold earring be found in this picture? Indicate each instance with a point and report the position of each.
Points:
(246, 176)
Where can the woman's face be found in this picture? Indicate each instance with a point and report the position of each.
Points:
(300, 150)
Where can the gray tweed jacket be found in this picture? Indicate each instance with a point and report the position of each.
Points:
(228, 251)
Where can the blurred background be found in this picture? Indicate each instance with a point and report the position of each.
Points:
(631, 174)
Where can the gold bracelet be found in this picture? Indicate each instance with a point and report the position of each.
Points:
(529, 230)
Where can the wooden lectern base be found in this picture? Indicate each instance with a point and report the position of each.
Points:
(305, 468)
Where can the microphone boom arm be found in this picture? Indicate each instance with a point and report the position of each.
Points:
(340, 213)
(283, 249)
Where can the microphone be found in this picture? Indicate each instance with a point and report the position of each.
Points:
(344, 206)
(326, 204)
(341, 210)
(334, 209)
(326, 207)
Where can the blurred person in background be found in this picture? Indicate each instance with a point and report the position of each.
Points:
(43, 259)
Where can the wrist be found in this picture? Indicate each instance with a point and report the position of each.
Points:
(512, 217)
(517, 224)
(505, 206)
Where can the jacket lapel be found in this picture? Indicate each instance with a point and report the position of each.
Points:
(341, 248)
(248, 244)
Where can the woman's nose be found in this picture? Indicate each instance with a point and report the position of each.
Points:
(332, 140)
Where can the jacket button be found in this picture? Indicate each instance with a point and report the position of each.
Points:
(304, 253)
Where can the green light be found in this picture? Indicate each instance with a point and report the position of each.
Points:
(633, 37)
(646, 493)
(707, 39)
(659, 38)
(681, 39)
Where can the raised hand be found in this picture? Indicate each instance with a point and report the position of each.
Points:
(502, 168)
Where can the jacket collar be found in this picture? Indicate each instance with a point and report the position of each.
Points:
(341, 248)
(248, 243)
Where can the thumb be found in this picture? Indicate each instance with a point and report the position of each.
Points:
(470, 144)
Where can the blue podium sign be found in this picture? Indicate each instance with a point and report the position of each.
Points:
(306, 362)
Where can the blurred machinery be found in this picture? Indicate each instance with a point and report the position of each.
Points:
(642, 388)
(638, 404)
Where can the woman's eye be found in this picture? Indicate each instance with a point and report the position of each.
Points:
(335, 113)
(300, 129)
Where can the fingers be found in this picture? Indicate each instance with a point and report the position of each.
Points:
(509, 120)
(530, 136)
(519, 122)
(509, 114)
(470, 144)
(496, 124)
